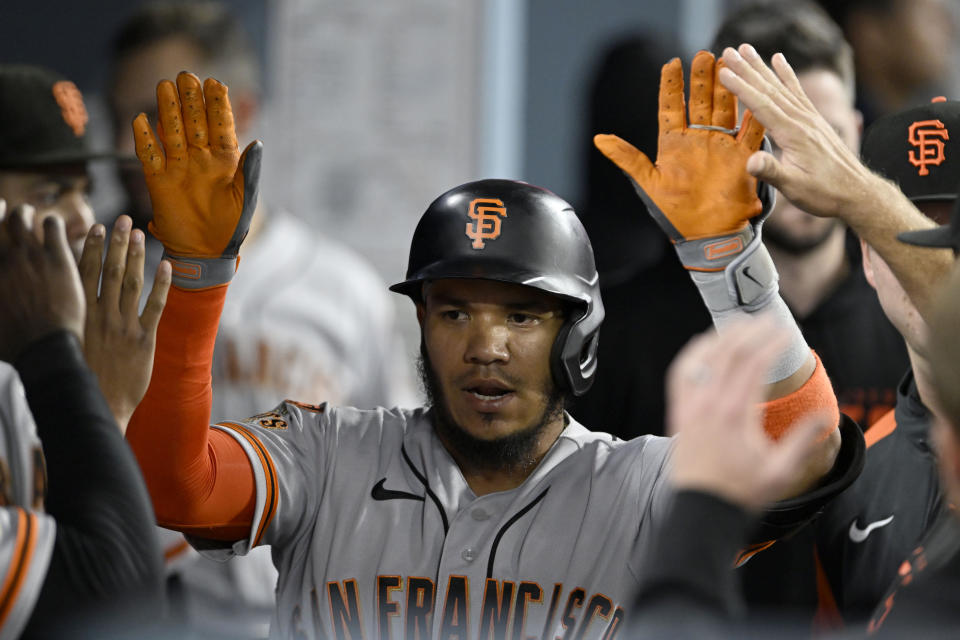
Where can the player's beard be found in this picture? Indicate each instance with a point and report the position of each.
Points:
(514, 452)
(793, 245)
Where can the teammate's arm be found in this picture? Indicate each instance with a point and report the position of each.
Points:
(105, 550)
(820, 174)
(701, 195)
(203, 193)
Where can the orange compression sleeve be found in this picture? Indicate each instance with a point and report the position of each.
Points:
(200, 479)
(814, 396)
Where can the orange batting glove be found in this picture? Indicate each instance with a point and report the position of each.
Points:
(202, 189)
(699, 191)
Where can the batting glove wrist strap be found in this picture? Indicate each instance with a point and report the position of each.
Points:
(190, 272)
(748, 280)
(713, 253)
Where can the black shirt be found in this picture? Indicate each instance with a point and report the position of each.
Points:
(687, 591)
(864, 536)
(924, 602)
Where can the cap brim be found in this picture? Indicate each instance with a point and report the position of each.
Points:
(938, 237)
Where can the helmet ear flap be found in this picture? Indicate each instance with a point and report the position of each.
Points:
(558, 368)
(573, 358)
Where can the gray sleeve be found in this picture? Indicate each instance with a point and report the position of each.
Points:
(654, 494)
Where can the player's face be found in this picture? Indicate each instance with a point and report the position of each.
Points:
(61, 194)
(894, 300)
(789, 228)
(488, 349)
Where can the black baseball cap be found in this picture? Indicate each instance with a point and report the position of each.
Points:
(43, 120)
(919, 149)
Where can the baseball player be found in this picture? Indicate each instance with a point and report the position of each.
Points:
(864, 536)
(94, 549)
(921, 602)
(816, 169)
(923, 592)
(860, 545)
(490, 512)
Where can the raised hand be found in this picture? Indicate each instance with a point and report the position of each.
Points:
(203, 191)
(39, 286)
(698, 186)
(816, 169)
(120, 342)
(821, 175)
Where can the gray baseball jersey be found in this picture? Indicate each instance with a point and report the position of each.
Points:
(376, 534)
(26, 534)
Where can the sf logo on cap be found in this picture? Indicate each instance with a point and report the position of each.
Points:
(486, 214)
(70, 100)
(927, 136)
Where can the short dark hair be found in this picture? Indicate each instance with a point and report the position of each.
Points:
(209, 26)
(800, 30)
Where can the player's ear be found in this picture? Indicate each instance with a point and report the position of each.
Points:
(865, 251)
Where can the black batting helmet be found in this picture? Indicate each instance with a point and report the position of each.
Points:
(515, 232)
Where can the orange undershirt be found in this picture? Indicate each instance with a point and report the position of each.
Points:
(200, 479)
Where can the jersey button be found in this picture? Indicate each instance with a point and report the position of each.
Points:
(479, 515)
(468, 554)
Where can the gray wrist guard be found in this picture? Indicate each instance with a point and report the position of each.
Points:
(194, 273)
(749, 278)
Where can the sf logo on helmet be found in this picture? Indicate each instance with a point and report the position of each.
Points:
(486, 214)
(927, 136)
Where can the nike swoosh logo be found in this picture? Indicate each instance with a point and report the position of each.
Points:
(380, 493)
(859, 535)
(746, 272)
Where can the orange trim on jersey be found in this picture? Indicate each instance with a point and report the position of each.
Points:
(881, 428)
(270, 471)
(814, 396)
(23, 547)
(827, 617)
(751, 550)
